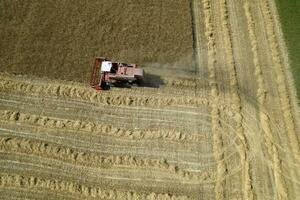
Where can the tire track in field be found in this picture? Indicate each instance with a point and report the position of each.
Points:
(35, 183)
(236, 99)
(215, 112)
(281, 189)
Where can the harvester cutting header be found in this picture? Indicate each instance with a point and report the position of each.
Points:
(106, 73)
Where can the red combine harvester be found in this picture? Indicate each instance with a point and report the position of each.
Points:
(106, 73)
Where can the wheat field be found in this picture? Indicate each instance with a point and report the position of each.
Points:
(217, 117)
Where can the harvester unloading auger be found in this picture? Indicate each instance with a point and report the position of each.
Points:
(106, 73)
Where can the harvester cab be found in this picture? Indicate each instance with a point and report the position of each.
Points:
(106, 73)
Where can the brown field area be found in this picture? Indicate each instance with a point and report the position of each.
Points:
(216, 119)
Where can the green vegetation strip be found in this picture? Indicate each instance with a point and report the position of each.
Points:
(289, 12)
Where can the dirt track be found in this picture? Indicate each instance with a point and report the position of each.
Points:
(226, 130)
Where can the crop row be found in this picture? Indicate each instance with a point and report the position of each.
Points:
(215, 112)
(85, 94)
(46, 149)
(98, 128)
(243, 147)
(264, 119)
(58, 186)
(85, 158)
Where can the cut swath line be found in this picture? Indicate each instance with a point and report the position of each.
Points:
(30, 182)
(215, 112)
(281, 82)
(99, 128)
(261, 96)
(234, 89)
(84, 94)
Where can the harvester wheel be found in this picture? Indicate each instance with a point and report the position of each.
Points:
(105, 85)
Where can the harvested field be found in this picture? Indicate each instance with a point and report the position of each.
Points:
(217, 117)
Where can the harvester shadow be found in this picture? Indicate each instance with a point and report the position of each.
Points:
(152, 81)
